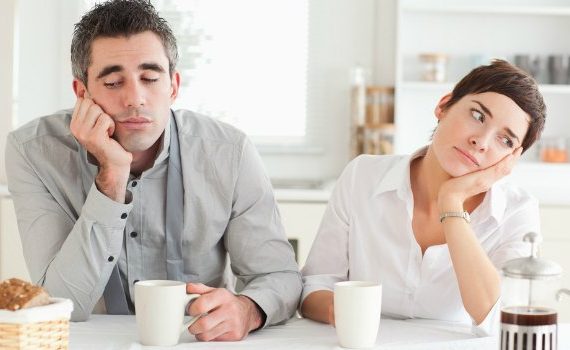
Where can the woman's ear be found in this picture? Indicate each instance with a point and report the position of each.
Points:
(440, 108)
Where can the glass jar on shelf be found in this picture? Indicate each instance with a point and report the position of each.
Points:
(434, 66)
(379, 105)
(379, 139)
(553, 150)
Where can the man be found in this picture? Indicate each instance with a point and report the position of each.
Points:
(123, 189)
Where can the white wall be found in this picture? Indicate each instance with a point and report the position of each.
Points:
(44, 81)
(7, 76)
(357, 32)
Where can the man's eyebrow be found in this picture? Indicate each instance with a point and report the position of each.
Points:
(118, 68)
(108, 70)
(152, 66)
(484, 108)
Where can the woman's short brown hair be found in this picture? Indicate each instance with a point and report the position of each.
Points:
(503, 78)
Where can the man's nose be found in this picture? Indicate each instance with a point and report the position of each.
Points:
(134, 95)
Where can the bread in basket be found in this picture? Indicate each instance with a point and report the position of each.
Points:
(30, 319)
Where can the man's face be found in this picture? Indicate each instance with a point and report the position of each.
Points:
(477, 132)
(129, 79)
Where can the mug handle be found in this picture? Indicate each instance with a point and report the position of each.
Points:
(561, 292)
(188, 298)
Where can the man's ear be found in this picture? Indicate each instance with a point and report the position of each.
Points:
(440, 108)
(174, 86)
(79, 88)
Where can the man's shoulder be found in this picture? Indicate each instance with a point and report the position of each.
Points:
(194, 125)
(54, 126)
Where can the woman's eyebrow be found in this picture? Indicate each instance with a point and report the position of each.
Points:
(484, 108)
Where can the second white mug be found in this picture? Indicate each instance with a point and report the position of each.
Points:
(160, 306)
(357, 309)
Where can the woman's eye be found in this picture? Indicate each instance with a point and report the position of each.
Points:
(477, 115)
(508, 142)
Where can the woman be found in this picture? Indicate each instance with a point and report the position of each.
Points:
(435, 227)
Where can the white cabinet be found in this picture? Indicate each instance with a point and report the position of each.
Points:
(470, 33)
(12, 262)
(556, 247)
(301, 221)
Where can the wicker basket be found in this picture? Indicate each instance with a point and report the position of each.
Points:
(43, 327)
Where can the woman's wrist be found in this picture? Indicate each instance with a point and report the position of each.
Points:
(450, 203)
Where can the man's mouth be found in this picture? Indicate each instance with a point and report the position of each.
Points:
(135, 123)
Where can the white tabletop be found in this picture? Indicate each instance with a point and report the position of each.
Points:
(119, 332)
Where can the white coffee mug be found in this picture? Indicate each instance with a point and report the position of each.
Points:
(160, 306)
(357, 308)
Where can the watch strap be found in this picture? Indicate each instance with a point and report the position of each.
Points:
(455, 214)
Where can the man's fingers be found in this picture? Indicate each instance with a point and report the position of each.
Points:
(207, 323)
(209, 301)
(198, 288)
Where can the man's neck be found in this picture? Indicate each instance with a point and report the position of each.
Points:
(144, 160)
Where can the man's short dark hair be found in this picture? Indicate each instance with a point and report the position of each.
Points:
(118, 18)
(503, 78)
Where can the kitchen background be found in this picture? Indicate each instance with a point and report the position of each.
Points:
(314, 82)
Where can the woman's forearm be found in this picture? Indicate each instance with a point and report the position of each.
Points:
(318, 306)
(478, 279)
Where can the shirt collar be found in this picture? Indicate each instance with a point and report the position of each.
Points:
(397, 178)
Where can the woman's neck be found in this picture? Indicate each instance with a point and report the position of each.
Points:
(426, 177)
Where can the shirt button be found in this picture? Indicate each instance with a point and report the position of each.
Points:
(134, 234)
(134, 184)
(111, 258)
(123, 215)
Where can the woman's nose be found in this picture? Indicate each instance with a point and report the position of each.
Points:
(479, 143)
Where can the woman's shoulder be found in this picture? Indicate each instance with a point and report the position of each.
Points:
(375, 163)
(366, 170)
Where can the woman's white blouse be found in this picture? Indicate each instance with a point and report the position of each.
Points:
(366, 234)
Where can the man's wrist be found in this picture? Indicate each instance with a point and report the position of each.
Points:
(113, 183)
(256, 316)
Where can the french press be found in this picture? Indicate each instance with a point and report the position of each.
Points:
(529, 319)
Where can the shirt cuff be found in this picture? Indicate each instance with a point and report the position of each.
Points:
(103, 210)
(490, 325)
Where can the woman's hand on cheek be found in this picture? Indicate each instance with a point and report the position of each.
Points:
(456, 190)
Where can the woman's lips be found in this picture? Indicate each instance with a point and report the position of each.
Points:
(467, 155)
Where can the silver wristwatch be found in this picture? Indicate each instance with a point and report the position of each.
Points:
(455, 214)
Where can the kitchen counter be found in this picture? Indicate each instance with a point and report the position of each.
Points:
(549, 183)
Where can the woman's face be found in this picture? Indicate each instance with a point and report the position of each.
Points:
(477, 131)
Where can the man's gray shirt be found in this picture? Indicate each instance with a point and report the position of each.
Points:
(73, 235)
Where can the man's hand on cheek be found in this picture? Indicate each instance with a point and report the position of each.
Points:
(456, 190)
(93, 128)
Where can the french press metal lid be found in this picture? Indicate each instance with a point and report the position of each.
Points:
(532, 267)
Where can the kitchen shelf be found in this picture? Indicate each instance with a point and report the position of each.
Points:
(425, 85)
(490, 10)
(467, 31)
